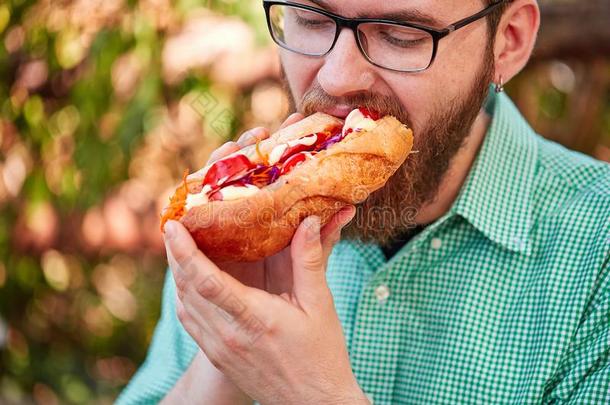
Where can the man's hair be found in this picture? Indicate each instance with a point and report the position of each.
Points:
(493, 19)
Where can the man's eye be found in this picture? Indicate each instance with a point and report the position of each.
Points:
(402, 41)
(310, 21)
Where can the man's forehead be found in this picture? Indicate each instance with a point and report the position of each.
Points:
(430, 12)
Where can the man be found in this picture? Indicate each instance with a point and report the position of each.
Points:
(490, 283)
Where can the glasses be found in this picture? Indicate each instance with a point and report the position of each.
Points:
(393, 45)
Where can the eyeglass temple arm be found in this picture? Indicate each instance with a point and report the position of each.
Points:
(461, 23)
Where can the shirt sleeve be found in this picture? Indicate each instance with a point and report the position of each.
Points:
(171, 352)
(584, 374)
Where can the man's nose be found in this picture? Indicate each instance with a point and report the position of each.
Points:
(345, 70)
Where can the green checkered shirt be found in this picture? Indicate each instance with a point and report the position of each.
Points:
(505, 299)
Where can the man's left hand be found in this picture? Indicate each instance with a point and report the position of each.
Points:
(286, 348)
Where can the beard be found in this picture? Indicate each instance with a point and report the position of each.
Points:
(391, 210)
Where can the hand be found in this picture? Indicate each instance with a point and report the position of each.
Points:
(272, 274)
(265, 274)
(286, 348)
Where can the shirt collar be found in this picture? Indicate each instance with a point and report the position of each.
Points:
(497, 195)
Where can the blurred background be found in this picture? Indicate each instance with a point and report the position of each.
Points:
(104, 103)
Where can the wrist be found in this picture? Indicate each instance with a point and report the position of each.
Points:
(346, 394)
(203, 383)
(354, 395)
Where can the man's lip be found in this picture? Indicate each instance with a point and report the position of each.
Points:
(339, 111)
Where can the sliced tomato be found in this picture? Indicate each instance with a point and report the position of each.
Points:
(292, 162)
(227, 169)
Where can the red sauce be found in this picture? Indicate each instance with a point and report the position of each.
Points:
(372, 114)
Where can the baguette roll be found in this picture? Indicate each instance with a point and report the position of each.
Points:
(258, 222)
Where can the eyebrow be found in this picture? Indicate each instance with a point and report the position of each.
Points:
(412, 16)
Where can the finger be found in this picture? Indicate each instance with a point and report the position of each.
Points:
(201, 318)
(308, 264)
(224, 150)
(250, 137)
(331, 232)
(195, 272)
(292, 118)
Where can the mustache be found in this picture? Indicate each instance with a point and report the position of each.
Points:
(316, 99)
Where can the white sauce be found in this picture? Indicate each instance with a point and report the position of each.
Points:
(276, 153)
(307, 141)
(195, 200)
(358, 122)
(235, 192)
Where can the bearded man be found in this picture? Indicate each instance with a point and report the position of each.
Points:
(488, 283)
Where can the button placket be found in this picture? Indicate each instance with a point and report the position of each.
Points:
(382, 293)
(371, 350)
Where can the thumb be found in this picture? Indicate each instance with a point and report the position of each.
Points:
(308, 263)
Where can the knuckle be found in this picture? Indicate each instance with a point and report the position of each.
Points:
(313, 261)
(209, 287)
(180, 282)
(232, 341)
(184, 259)
(254, 328)
(233, 306)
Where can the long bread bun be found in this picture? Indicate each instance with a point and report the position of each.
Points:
(260, 225)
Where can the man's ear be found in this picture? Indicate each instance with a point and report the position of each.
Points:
(515, 38)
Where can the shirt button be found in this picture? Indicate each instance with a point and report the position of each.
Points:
(382, 293)
(436, 243)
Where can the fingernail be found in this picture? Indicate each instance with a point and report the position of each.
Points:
(170, 230)
(244, 141)
(248, 136)
(348, 214)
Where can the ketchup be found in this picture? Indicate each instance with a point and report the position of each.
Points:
(372, 114)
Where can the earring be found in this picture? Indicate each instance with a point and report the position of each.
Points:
(500, 85)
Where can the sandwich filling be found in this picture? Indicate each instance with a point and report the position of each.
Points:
(236, 176)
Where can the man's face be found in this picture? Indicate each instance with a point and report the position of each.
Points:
(439, 104)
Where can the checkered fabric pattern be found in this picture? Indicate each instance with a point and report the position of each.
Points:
(505, 299)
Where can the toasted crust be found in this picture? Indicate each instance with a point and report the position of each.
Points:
(259, 226)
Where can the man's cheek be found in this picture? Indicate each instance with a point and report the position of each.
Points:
(300, 72)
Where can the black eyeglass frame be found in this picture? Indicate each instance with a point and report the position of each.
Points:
(353, 23)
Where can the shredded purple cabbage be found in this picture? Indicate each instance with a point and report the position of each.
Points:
(274, 174)
(329, 142)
